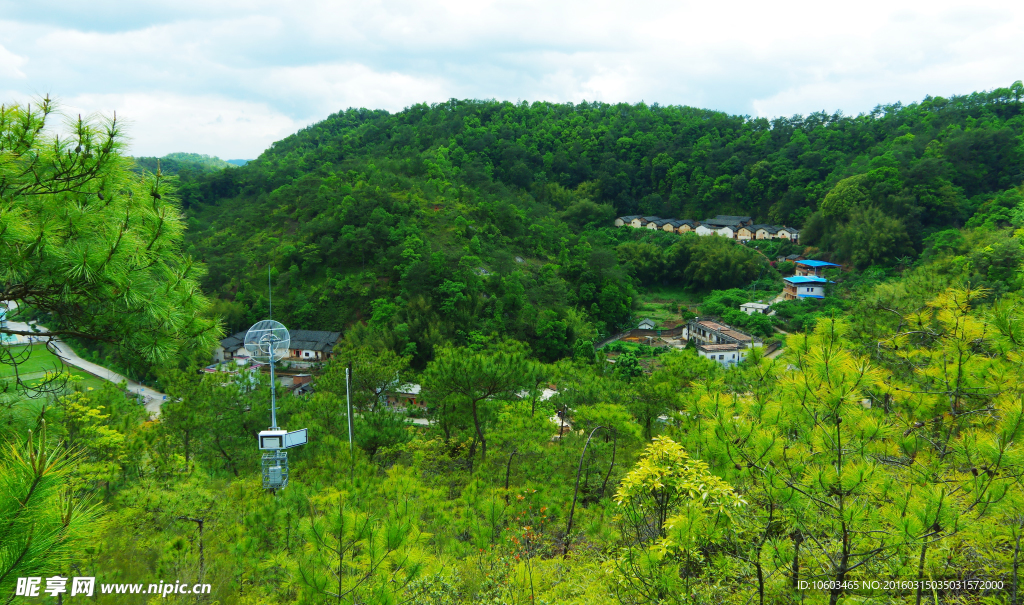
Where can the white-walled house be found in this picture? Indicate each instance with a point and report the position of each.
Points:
(724, 354)
(728, 232)
(703, 230)
(752, 307)
(789, 233)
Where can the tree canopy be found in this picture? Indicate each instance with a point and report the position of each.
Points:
(91, 246)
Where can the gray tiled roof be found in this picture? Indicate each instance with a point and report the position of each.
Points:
(719, 222)
(307, 340)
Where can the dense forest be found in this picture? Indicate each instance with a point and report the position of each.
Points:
(877, 457)
(468, 219)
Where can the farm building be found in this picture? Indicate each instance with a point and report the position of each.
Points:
(724, 354)
(752, 307)
(709, 331)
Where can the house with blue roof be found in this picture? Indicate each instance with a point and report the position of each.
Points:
(804, 286)
(813, 267)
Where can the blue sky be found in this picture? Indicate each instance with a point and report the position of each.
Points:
(228, 77)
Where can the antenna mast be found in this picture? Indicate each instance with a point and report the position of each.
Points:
(273, 385)
(265, 341)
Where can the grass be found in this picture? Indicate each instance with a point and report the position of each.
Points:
(40, 361)
(660, 312)
(662, 304)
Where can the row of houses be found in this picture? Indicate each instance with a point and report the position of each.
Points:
(740, 228)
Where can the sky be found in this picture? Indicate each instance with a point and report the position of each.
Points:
(228, 78)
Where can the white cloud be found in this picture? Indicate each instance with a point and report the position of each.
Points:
(10, 64)
(266, 68)
(158, 124)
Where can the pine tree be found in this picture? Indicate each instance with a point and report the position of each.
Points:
(92, 246)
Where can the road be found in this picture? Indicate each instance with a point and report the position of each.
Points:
(780, 350)
(152, 397)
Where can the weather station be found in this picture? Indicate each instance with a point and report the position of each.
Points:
(267, 341)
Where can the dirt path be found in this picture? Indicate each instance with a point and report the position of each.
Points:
(779, 350)
(152, 397)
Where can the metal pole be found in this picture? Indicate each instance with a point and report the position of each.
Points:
(273, 391)
(348, 397)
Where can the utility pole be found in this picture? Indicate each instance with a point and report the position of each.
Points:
(348, 398)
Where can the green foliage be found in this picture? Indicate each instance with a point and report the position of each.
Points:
(848, 194)
(725, 304)
(494, 218)
(463, 383)
(757, 477)
(884, 443)
(872, 237)
(93, 246)
(44, 526)
(803, 314)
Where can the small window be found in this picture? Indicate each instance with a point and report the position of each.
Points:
(721, 356)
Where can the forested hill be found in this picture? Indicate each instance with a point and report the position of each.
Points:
(469, 218)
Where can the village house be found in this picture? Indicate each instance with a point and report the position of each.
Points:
(626, 220)
(813, 267)
(746, 233)
(404, 397)
(765, 231)
(658, 224)
(792, 258)
(752, 307)
(686, 226)
(804, 286)
(711, 332)
(306, 345)
(641, 221)
(672, 226)
(724, 354)
(789, 233)
(727, 231)
(703, 230)
(647, 324)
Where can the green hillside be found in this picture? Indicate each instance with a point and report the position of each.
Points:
(482, 451)
(470, 218)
